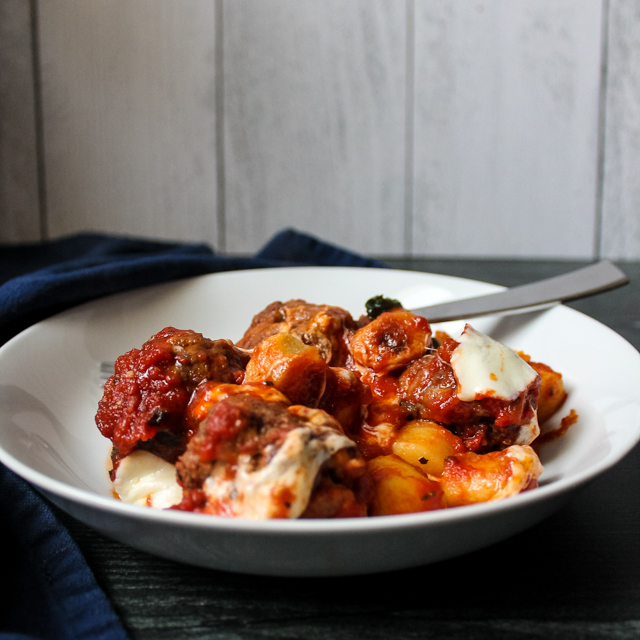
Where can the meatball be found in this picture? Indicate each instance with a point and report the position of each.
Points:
(144, 402)
(320, 326)
(257, 459)
(430, 387)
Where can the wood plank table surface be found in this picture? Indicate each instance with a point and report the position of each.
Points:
(575, 575)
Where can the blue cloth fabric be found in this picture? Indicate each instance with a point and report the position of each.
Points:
(48, 590)
(39, 280)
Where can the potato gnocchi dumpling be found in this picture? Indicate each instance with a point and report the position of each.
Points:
(469, 478)
(552, 392)
(400, 488)
(426, 445)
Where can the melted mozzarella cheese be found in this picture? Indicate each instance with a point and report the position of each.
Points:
(145, 479)
(283, 486)
(525, 467)
(486, 368)
(527, 433)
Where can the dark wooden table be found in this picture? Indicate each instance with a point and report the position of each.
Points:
(575, 575)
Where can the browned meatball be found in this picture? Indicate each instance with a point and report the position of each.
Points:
(321, 326)
(257, 459)
(429, 386)
(237, 424)
(144, 402)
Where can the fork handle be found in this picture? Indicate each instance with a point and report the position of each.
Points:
(588, 281)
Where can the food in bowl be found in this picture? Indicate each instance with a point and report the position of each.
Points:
(314, 414)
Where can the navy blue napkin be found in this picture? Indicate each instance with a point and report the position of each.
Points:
(48, 591)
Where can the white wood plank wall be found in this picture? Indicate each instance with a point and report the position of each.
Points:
(19, 189)
(493, 128)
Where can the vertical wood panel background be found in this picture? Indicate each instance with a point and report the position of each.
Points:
(506, 127)
(19, 199)
(129, 116)
(621, 192)
(393, 127)
(314, 121)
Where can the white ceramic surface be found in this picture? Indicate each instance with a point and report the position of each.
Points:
(50, 387)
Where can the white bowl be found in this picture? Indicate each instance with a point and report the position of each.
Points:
(50, 386)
